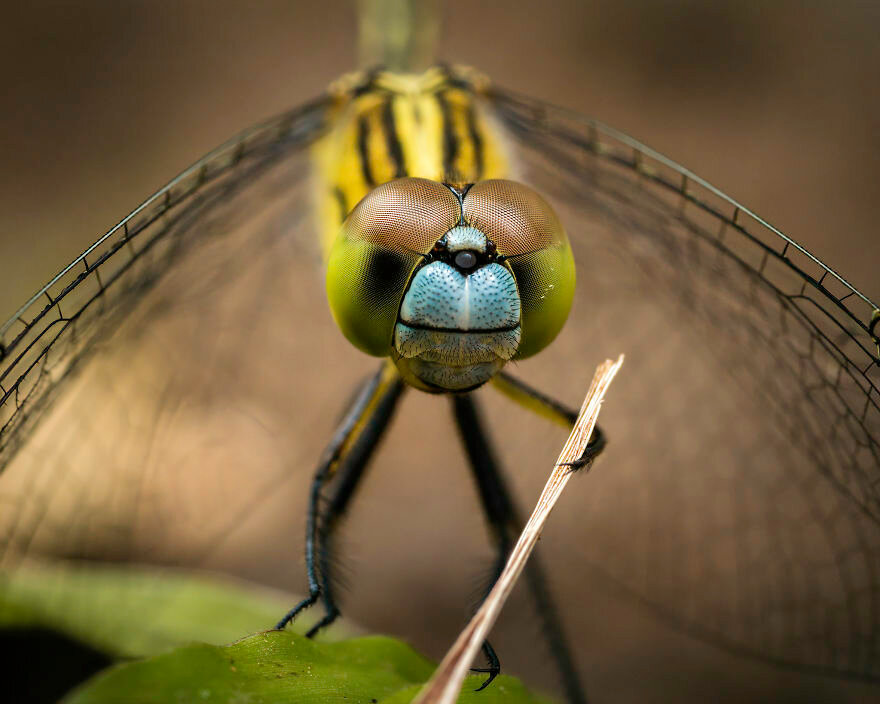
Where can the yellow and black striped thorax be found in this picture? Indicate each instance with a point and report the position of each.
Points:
(385, 126)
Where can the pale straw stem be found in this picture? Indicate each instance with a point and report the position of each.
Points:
(445, 684)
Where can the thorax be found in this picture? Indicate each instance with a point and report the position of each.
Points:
(384, 126)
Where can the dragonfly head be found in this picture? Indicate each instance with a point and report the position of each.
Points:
(451, 282)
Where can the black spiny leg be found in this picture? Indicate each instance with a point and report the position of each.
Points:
(350, 472)
(505, 525)
(347, 454)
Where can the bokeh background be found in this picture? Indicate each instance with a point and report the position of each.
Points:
(775, 103)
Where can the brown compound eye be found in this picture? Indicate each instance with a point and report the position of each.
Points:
(513, 216)
(378, 246)
(531, 241)
(409, 214)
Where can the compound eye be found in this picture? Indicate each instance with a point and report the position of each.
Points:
(407, 215)
(531, 241)
(513, 216)
(379, 245)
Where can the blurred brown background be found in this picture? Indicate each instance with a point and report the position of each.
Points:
(776, 103)
(104, 102)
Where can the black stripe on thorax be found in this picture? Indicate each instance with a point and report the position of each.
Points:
(392, 139)
(450, 139)
(363, 150)
(477, 139)
(339, 195)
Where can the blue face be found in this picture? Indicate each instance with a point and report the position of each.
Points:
(459, 321)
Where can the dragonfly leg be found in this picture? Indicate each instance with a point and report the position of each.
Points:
(505, 525)
(533, 400)
(591, 451)
(494, 668)
(345, 457)
(351, 469)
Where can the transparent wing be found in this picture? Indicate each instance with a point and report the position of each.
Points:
(109, 374)
(740, 496)
(166, 398)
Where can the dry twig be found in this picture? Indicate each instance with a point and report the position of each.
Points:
(445, 684)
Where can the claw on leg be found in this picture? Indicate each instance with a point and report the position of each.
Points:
(591, 452)
(323, 623)
(494, 668)
(295, 611)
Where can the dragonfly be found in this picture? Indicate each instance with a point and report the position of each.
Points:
(477, 241)
(449, 271)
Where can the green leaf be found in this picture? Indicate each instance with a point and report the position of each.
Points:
(279, 667)
(126, 612)
(130, 612)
